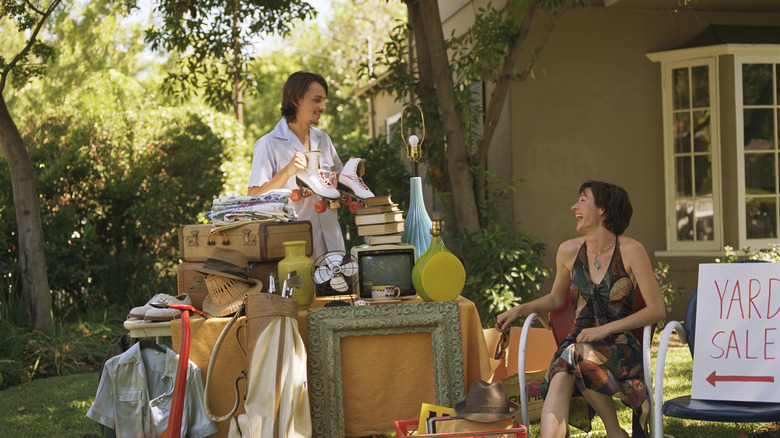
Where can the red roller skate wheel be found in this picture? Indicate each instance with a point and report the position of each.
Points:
(353, 207)
(320, 206)
(296, 195)
(345, 200)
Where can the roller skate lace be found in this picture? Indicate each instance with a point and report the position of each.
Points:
(359, 180)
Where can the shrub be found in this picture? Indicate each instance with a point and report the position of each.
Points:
(116, 175)
(769, 254)
(503, 264)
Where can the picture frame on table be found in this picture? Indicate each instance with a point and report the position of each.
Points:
(328, 326)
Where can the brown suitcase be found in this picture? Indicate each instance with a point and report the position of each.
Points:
(260, 241)
(192, 283)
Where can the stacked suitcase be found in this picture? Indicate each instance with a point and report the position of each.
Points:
(261, 242)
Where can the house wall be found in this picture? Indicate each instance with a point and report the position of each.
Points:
(594, 112)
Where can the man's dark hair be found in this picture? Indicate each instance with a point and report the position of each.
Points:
(614, 200)
(294, 89)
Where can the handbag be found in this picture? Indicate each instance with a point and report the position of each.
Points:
(275, 364)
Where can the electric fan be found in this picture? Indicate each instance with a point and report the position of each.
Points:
(334, 273)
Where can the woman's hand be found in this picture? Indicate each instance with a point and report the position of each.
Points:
(593, 334)
(504, 319)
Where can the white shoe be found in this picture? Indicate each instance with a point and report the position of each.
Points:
(311, 177)
(351, 182)
(155, 314)
(140, 311)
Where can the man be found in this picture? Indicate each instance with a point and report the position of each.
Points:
(282, 153)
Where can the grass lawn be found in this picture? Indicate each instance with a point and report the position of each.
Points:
(57, 406)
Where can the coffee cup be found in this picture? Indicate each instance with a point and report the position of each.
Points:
(385, 292)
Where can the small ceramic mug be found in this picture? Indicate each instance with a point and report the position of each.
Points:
(385, 292)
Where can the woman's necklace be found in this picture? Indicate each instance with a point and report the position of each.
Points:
(596, 255)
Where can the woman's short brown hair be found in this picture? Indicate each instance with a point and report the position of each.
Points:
(614, 200)
(294, 89)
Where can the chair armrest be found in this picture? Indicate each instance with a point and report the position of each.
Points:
(657, 431)
(521, 361)
(647, 344)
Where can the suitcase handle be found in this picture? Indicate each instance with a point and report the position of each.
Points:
(225, 240)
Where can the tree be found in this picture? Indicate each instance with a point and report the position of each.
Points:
(491, 51)
(213, 38)
(27, 62)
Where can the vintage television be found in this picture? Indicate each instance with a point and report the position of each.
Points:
(384, 265)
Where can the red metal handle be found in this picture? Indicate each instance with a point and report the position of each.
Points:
(177, 405)
(182, 307)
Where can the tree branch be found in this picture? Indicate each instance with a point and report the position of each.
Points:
(33, 7)
(549, 27)
(30, 42)
(493, 112)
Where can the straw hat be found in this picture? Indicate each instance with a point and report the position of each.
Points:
(228, 297)
(226, 263)
(486, 403)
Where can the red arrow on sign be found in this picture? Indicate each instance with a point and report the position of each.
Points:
(714, 378)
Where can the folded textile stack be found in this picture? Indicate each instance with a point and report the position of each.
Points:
(230, 211)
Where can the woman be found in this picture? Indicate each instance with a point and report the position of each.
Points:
(602, 269)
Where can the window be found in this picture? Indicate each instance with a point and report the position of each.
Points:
(758, 125)
(392, 127)
(721, 147)
(691, 156)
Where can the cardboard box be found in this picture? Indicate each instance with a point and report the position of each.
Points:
(534, 397)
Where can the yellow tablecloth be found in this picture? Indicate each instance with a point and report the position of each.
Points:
(356, 352)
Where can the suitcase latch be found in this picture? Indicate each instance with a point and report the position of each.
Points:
(193, 239)
(197, 285)
(249, 239)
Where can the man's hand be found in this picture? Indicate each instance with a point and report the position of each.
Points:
(296, 164)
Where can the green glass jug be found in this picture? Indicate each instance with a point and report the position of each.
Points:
(295, 260)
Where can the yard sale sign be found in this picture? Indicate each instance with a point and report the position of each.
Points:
(737, 342)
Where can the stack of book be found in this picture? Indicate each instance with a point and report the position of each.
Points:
(380, 221)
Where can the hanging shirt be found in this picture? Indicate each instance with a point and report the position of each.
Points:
(136, 390)
(274, 151)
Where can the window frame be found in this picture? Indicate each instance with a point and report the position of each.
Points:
(672, 244)
(739, 109)
(389, 122)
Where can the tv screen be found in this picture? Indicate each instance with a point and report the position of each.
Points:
(386, 268)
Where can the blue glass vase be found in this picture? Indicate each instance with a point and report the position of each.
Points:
(417, 228)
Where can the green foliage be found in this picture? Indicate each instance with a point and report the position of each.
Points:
(669, 289)
(478, 55)
(213, 39)
(30, 59)
(75, 347)
(116, 175)
(769, 254)
(503, 265)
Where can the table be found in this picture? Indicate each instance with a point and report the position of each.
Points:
(231, 361)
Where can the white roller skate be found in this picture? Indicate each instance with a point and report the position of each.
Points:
(351, 185)
(312, 180)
